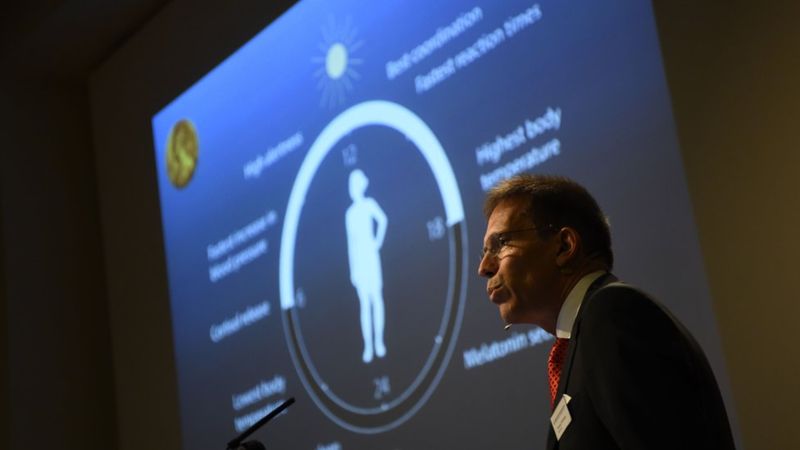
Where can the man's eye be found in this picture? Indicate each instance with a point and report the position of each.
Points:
(502, 241)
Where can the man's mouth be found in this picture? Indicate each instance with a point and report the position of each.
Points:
(494, 294)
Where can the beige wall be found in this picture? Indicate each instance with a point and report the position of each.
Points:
(734, 69)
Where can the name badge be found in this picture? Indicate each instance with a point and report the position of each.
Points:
(561, 417)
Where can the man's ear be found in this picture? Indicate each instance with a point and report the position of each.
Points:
(569, 243)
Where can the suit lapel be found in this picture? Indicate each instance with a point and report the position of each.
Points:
(576, 329)
(573, 343)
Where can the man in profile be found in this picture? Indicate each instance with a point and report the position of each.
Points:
(623, 372)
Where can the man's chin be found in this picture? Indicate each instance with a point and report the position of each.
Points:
(507, 313)
(513, 316)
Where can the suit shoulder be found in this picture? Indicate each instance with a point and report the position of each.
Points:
(623, 305)
(620, 298)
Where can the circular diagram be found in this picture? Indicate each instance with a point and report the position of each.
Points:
(344, 275)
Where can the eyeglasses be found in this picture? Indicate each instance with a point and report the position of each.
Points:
(498, 241)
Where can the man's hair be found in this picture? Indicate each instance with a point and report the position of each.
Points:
(555, 202)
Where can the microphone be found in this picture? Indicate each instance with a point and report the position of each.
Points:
(252, 445)
(237, 443)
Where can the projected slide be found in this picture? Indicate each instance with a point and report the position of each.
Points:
(321, 194)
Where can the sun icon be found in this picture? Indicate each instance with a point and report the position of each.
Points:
(337, 63)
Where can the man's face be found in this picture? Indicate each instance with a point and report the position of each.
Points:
(523, 279)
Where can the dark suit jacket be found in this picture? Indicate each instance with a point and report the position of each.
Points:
(637, 378)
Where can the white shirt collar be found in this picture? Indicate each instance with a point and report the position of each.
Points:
(572, 304)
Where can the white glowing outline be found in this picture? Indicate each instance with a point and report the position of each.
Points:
(375, 112)
(392, 115)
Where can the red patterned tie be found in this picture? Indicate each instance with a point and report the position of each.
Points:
(554, 363)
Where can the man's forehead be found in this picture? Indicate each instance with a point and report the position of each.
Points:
(509, 212)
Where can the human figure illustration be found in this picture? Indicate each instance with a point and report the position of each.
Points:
(366, 223)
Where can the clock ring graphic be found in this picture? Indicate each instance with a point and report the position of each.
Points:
(433, 346)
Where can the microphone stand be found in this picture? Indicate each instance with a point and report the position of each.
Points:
(237, 443)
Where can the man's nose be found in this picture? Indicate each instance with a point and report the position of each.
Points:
(488, 265)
